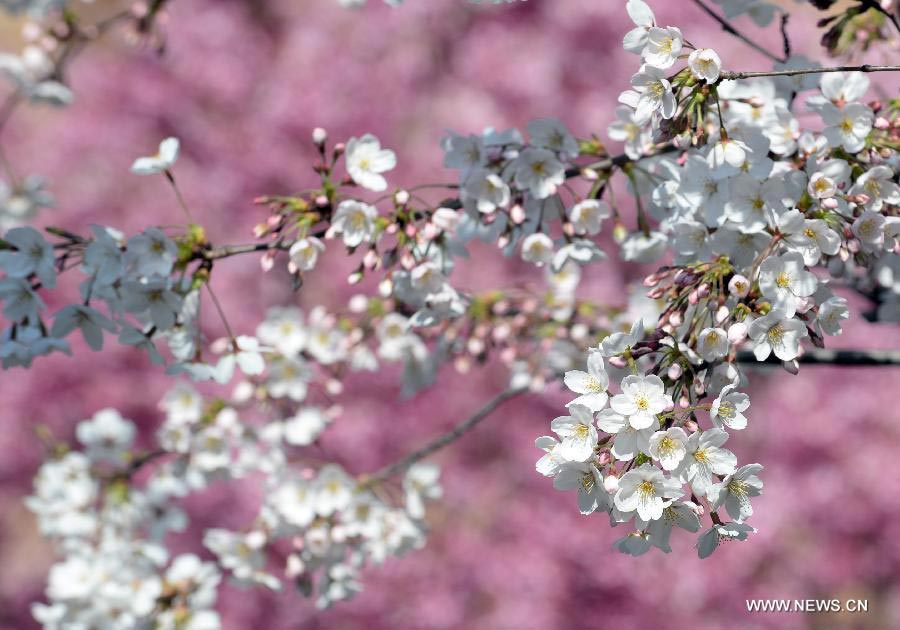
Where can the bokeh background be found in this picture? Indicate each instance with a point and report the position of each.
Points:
(242, 83)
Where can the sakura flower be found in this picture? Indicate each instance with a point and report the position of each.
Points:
(577, 433)
(710, 539)
(645, 489)
(831, 312)
(712, 344)
(663, 47)
(366, 160)
(668, 447)
(727, 155)
(106, 435)
(630, 441)
(848, 127)
(551, 133)
(539, 172)
(288, 378)
(728, 407)
(869, 229)
(587, 215)
(636, 39)
(243, 554)
(487, 190)
(420, 483)
(550, 462)
(159, 163)
(584, 477)
(90, 321)
(778, 333)
(32, 255)
(704, 458)
(641, 399)
(305, 253)
(151, 253)
(463, 152)
(705, 64)
(680, 513)
(783, 280)
(637, 137)
(537, 248)
(333, 490)
(841, 87)
(735, 490)
(877, 184)
(354, 220)
(305, 426)
(652, 93)
(284, 330)
(21, 301)
(619, 342)
(591, 384)
(634, 544)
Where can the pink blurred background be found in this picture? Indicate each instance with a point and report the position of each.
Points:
(242, 83)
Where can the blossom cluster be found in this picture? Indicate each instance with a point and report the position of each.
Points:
(753, 219)
(112, 522)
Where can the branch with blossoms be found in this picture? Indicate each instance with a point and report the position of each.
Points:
(749, 219)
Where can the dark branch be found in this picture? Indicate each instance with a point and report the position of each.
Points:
(442, 440)
(725, 76)
(821, 356)
(728, 28)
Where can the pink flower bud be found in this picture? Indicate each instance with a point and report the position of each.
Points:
(675, 371)
(517, 214)
(401, 197)
(430, 232)
(322, 201)
(690, 426)
(722, 314)
(684, 402)
(611, 483)
(604, 458)
(831, 203)
(737, 332)
(882, 123)
(676, 318)
(319, 136)
(738, 286)
(267, 261)
(371, 259)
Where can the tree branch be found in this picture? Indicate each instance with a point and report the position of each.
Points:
(822, 356)
(728, 28)
(724, 76)
(442, 440)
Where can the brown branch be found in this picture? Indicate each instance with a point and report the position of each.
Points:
(440, 441)
(725, 76)
(728, 28)
(822, 356)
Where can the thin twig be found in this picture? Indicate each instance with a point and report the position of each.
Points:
(442, 440)
(785, 38)
(181, 202)
(728, 28)
(822, 356)
(725, 76)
